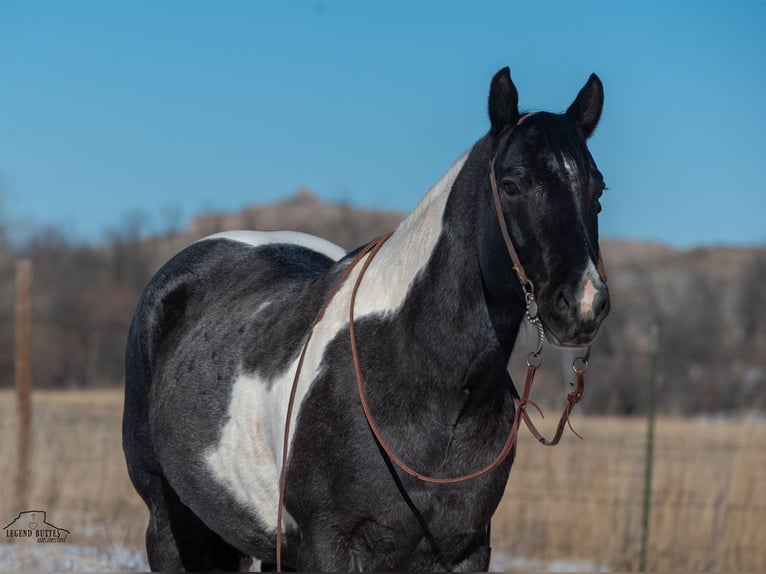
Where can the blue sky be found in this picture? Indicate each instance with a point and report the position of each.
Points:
(109, 109)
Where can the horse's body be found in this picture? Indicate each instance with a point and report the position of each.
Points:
(214, 346)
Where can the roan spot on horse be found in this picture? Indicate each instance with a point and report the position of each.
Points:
(216, 338)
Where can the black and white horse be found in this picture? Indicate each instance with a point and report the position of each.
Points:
(217, 334)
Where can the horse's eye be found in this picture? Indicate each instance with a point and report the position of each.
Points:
(510, 188)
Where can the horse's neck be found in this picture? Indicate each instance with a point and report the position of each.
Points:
(428, 275)
(407, 252)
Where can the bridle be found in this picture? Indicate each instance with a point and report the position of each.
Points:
(579, 366)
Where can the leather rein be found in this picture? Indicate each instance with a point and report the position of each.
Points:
(579, 366)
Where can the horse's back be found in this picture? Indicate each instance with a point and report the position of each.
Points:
(218, 276)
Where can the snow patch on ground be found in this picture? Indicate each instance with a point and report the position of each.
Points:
(70, 558)
(74, 558)
(506, 563)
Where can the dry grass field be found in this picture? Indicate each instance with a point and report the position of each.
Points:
(583, 499)
(77, 475)
(580, 501)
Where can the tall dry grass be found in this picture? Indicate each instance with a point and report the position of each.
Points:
(580, 500)
(583, 499)
(77, 472)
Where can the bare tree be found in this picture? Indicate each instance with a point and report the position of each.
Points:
(752, 303)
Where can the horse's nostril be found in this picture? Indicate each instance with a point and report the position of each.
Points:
(601, 306)
(563, 300)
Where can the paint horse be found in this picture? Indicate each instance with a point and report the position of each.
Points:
(217, 334)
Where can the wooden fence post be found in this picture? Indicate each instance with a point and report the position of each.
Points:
(649, 463)
(23, 376)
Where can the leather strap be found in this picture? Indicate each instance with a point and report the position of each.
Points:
(526, 283)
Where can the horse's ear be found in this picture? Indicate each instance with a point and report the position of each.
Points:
(503, 101)
(586, 109)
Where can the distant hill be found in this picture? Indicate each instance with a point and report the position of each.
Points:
(337, 222)
(709, 305)
(340, 223)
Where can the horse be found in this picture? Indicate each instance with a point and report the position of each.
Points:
(215, 341)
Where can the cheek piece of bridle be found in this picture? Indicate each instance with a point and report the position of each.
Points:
(579, 366)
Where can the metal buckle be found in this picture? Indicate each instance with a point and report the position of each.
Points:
(534, 360)
(581, 363)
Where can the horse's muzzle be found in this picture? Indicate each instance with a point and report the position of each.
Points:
(574, 312)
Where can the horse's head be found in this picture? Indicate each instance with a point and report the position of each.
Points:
(549, 188)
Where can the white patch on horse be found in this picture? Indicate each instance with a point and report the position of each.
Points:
(586, 302)
(571, 168)
(248, 458)
(259, 238)
(589, 286)
(244, 461)
(390, 275)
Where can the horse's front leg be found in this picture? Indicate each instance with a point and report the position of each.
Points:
(477, 559)
(325, 549)
(353, 544)
(372, 547)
